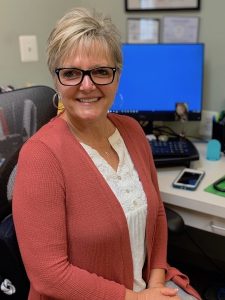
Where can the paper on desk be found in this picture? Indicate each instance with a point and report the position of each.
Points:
(212, 190)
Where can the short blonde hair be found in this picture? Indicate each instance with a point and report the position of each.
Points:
(81, 27)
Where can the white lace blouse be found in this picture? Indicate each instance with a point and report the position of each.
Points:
(128, 189)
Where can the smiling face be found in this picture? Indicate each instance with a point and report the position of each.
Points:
(88, 102)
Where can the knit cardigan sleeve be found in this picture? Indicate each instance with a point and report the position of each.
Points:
(40, 222)
(159, 249)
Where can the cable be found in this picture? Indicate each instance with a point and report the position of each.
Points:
(165, 130)
(169, 131)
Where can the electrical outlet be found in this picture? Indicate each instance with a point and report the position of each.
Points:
(28, 48)
(205, 129)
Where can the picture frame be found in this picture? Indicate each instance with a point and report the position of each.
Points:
(157, 5)
(179, 29)
(143, 30)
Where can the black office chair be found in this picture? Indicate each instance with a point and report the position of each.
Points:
(22, 113)
(175, 221)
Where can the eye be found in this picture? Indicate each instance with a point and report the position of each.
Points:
(70, 73)
(102, 72)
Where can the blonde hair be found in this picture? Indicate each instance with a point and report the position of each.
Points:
(81, 27)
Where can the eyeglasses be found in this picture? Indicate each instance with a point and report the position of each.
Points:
(74, 76)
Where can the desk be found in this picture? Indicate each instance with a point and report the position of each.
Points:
(199, 209)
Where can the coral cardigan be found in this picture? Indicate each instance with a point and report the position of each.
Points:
(71, 229)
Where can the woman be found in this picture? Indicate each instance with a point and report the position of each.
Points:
(87, 208)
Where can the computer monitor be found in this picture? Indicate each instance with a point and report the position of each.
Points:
(161, 82)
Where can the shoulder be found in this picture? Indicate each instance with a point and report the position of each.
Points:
(53, 128)
(50, 138)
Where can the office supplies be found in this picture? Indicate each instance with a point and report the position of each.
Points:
(188, 179)
(213, 150)
(219, 185)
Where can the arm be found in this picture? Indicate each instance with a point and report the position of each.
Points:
(159, 246)
(157, 278)
(153, 294)
(39, 211)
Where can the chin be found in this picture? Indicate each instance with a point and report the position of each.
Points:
(90, 117)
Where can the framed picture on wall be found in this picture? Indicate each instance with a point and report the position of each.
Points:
(142, 30)
(151, 5)
(180, 29)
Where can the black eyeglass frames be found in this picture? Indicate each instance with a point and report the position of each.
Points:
(74, 76)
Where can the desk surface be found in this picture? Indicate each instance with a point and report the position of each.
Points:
(199, 209)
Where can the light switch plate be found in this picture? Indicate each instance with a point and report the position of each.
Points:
(28, 48)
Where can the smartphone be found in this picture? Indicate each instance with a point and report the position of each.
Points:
(188, 179)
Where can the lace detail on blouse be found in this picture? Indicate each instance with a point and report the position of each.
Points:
(128, 189)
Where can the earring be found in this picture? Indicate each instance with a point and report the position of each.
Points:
(57, 103)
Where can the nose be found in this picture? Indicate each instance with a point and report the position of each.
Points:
(87, 83)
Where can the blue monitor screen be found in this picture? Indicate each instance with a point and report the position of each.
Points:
(158, 78)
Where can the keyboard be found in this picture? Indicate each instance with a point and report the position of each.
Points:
(174, 151)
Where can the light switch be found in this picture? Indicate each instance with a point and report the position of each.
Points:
(28, 48)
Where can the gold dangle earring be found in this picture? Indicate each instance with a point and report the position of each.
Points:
(57, 103)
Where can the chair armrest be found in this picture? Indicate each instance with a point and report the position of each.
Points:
(175, 221)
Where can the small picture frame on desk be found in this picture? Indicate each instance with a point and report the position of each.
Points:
(156, 5)
(142, 30)
(180, 29)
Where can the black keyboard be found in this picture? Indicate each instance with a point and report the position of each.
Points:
(174, 151)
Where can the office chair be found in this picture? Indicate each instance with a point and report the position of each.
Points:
(175, 222)
(23, 112)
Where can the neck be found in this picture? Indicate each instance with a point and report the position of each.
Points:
(93, 135)
(97, 137)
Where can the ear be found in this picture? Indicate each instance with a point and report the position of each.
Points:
(55, 82)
